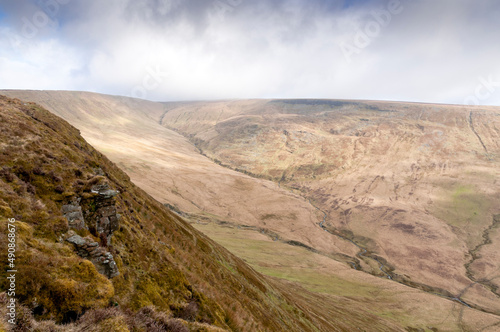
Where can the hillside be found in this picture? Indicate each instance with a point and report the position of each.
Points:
(176, 172)
(415, 185)
(301, 189)
(159, 274)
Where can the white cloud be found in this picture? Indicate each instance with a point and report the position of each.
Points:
(434, 52)
(44, 64)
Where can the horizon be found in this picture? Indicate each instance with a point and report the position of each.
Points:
(271, 98)
(394, 50)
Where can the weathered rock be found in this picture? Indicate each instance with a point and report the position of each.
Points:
(73, 213)
(77, 240)
(108, 211)
(102, 259)
(98, 171)
(103, 225)
(100, 217)
(112, 269)
(103, 190)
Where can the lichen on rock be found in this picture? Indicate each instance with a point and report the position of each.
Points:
(99, 215)
(73, 213)
(102, 217)
(89, 249)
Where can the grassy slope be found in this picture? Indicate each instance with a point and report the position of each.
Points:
(163, 261)
(337, 283)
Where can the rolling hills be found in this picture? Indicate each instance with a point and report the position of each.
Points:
(387, 208)
(414, 185)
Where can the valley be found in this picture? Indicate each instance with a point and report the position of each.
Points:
(384, 195)
(388, 208)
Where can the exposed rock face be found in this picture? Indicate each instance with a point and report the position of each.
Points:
(73, 212)
(89, 249)
(103, 219)
(99, 215)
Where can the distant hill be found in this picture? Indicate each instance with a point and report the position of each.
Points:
(415, 185)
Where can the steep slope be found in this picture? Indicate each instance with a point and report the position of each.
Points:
(274, 229)
(49, 172)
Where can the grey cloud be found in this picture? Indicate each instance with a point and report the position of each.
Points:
(431, 51)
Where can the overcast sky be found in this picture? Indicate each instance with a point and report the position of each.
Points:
(445, 51)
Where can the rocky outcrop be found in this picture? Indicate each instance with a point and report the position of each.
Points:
(96, 213)
(89, 249)
(102, 216)
(73, 212)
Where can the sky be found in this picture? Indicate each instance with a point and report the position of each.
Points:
(442, 51)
